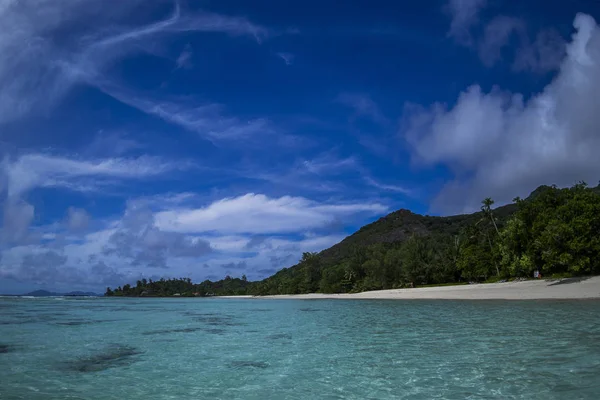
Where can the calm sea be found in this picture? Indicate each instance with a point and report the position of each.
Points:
(55, 348)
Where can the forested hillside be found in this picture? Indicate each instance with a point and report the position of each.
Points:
(555, 231)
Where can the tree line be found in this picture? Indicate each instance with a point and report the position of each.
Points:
(182, 287)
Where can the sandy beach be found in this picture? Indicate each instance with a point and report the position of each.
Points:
(574, 288)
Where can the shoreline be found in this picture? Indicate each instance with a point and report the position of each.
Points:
(563, 289)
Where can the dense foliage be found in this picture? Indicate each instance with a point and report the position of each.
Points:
(182, 287)
(554, 231)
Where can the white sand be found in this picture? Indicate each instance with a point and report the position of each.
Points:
(527, 290)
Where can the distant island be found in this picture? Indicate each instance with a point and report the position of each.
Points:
(553, 233)
(45, 293)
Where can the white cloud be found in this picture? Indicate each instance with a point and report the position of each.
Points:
(464, 14)
(207, 120)
(185, 58)
(500, 144)
(288, 58)
(111, 144)
(257, 213)
(540, 56)
(544, 54)
(269, 255)
(17, 218)
(39, 65)
(77, 219)
(363, 105)
(496, 36)
(40, 170)
(135, 246)
(137, 240)
(327, 164)
(388, 187)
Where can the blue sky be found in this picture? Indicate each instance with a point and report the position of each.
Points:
(203, 138)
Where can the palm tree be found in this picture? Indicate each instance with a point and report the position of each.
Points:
(486, 207)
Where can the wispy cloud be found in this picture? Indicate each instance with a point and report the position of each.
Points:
(327, 164)
(185, 58)
(464, 14)
(36, 75)
(41, 170)
(388, 187)
(362, 105)
(288, 58)
(207, 120)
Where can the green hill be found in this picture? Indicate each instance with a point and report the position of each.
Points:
(401, 225)
(404, 249)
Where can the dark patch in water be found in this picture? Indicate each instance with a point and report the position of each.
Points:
(20, 322)
(248, 364)
(133, 309)
(167, 331)
(6, 348)
(73, 323)
(217, 321)
(199, 314)
(215, 331)
(114, 356)
(277, 336)
(309, 309)
(84, 322)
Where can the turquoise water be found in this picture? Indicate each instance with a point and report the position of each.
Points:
(298, 349)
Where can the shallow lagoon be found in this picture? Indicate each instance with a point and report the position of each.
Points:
(55, 348)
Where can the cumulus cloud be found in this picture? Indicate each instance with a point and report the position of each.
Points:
(502, 144)
(259, 214)
(17, 218)
(541, 55)
(77, 219)
(44, 266)
(496, 37)
(140, 241)
(54, 270)
(107, 275)
(135, 245)
(276, 252)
